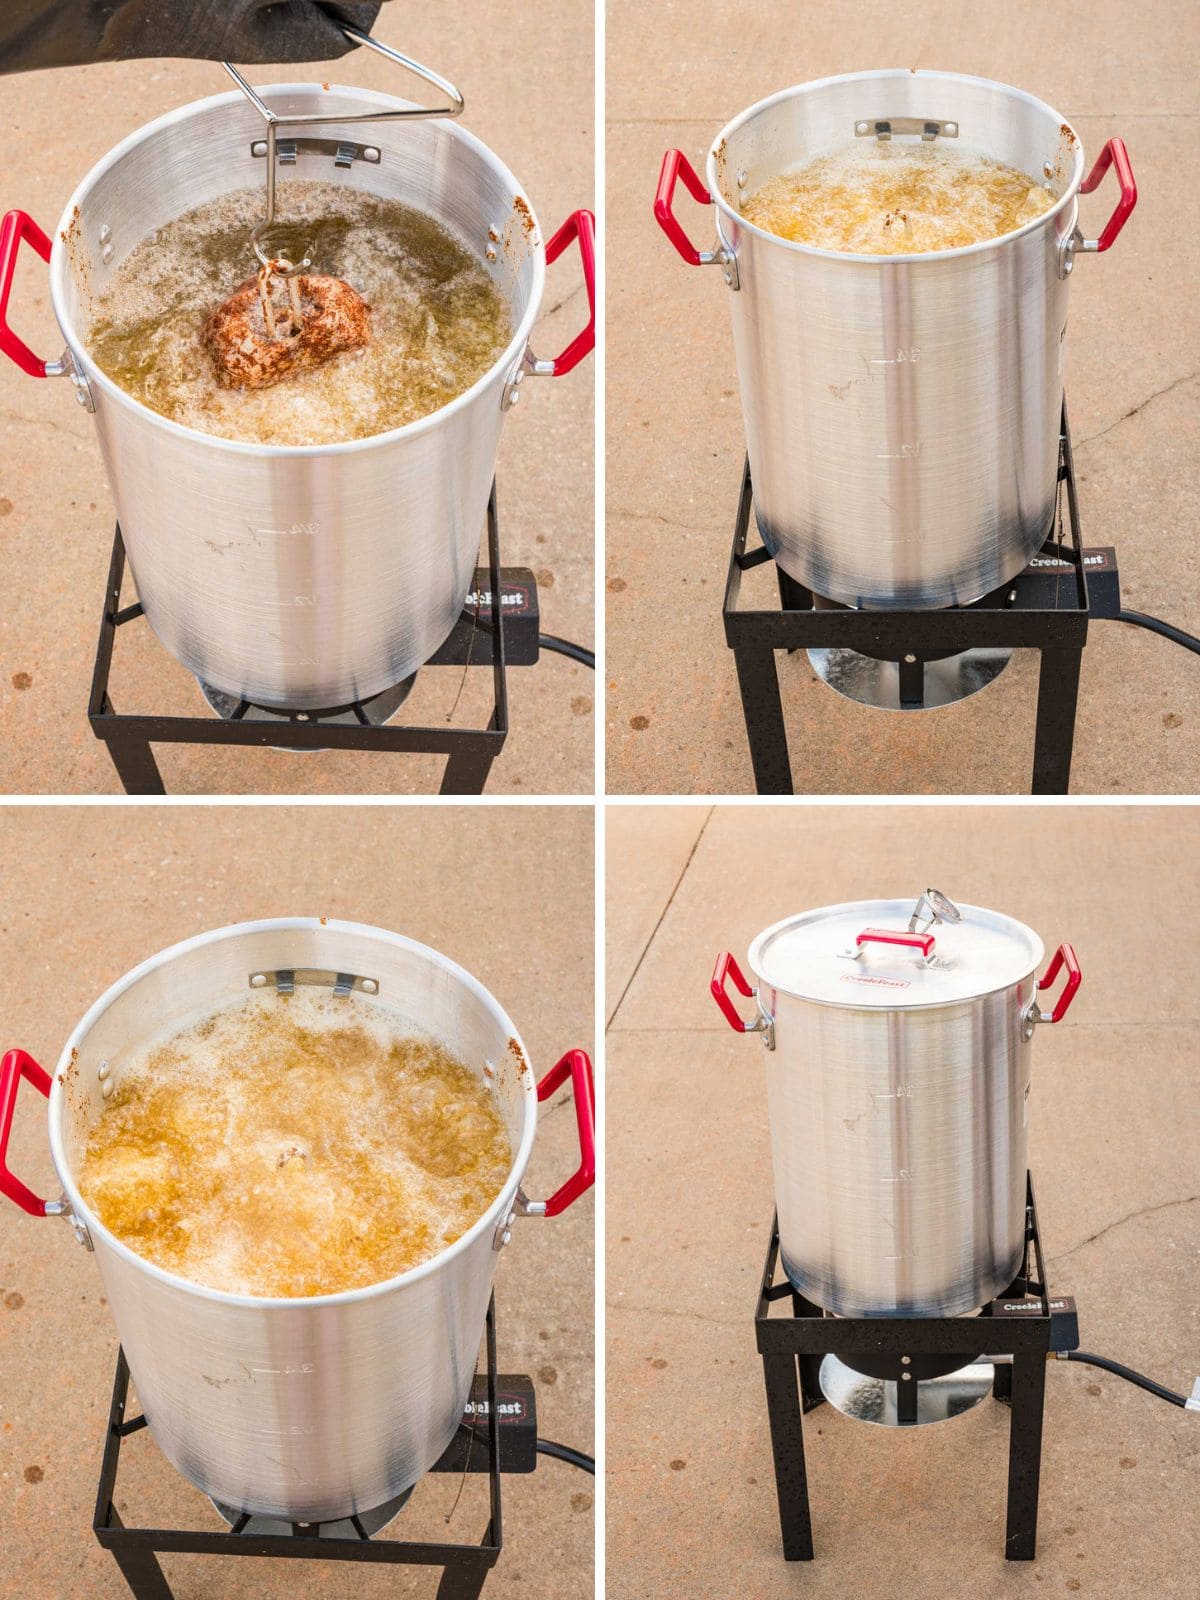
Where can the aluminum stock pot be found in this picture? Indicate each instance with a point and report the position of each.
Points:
(898, 1097)
(902, 412)
(299, 577)
(310, 1409)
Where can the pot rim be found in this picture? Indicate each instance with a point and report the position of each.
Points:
(981, 245)
(758, 944)
(508, 362)
(95, 1227)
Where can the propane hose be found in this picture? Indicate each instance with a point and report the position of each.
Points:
(563, 1452)
(1139, 619)
(1138, 1378)
(551, 641)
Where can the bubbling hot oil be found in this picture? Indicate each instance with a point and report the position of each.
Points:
(883, 198)
(439, 322)
(294, 1145)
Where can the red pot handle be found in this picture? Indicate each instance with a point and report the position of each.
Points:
(675, 165)
(1064, 956)
(923, 942)
(15, 1066)
(1116, 155)
(726, 968)
(580, 225)
(18, 225)
(575, 1065)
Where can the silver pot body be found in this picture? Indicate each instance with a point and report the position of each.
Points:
(899, 1139)
(310, 576)
(306, 1410)
(902, 413)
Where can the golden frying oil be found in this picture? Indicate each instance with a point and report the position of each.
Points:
(293, 1146)
(439, 322)
(883, 198)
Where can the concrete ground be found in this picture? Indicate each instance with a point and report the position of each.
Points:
(89, 892)
(1115, 1119)
(56, 515)
(675, 439)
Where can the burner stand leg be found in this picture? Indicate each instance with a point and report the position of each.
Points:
(1025, 1454)
(1058, 694)
(758, 680)
(463, 1581)
(135, 764)
(466, 772)
(140, 1569)
(787, 1447)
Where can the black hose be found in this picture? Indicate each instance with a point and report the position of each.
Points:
(551, 641)
(1127, 1373)
(1177, 636)
(563, 1452)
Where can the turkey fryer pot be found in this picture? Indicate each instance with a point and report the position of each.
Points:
(303, 1409)
(307, 576)
(898, 1097)
(901, 412)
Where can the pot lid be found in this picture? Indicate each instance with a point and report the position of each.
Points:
(895, 955)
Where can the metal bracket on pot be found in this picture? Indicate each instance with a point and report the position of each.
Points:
(883, 128)
(285, 980)
(65, 367)
(344, 153)
(522, 1206)
(62, 1208)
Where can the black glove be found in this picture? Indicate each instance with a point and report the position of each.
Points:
(71, 33)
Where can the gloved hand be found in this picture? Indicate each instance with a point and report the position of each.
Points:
(71, 33)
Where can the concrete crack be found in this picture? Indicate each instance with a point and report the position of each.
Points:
(654, 934)
(1143, 1211)
(666, 1311)
(1141, 406)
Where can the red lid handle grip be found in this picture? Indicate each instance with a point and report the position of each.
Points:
(725, 969)
(15, 1066)
(576, 1066)
(1064, 956)
(18, 225)
(675, 165)
(1115, 155)
(581, 226)
(923, 942)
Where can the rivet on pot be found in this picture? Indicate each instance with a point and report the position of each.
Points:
(370, 153)
(1047, 170)
(862, 127)
(907, 1376)
(369, 986)
(906, 1361)
(494, 235)
(258, 980)
(742, 178)
(102, 1071)
(910, 659)
(107, 1087)
(490, 252)
(489, 1070)
(105, 234)
(106, 254)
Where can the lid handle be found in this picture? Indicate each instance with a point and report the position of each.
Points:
(923, 942)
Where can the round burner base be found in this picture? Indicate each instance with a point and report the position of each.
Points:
(871, 682)
(867, 1399)
(380, 708)
(342, 1528)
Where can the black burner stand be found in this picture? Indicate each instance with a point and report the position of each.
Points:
(505, 1443)
(1024, 1323)
(511, 633)
(1045, 608)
